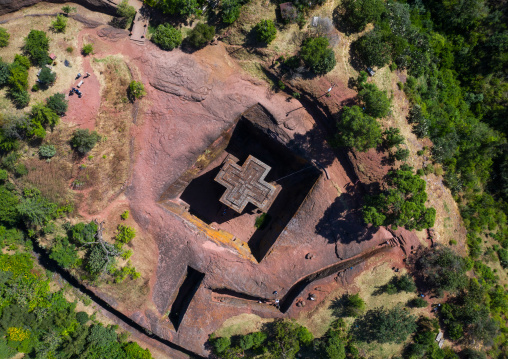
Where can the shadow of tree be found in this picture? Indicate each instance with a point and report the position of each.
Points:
(355, 58)
(342, 221)
(338, 306)
(313, 143)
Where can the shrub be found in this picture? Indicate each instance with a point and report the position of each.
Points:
(136, 90)
(230, 10)
(35, 88)
(82, 317)
(201, 35)
(167, 37)
(87, 49)
(354, 305)
(60, 24)
(37, 46)
(317, 55)
(402, 154)
(4, 37)
(83, 140)
(392, 137)
(21, 99)
(358, 13)
(68, 9)
(46, 77)
(377, 104)
(265, 31)
(127, 11)
(417, 303)
(221, 344)
(262, 221)
(5, 73)
(20, 170)
(384, 325)
(3, 175)
(69, 49)
(58, 103)
(125, 233)
(124, 215)
(47, 151)
(64, 253)
(44, 115)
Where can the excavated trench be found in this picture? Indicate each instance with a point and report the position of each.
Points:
(52, 266)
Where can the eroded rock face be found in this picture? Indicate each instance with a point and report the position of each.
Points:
(107, 6)
(182, 77)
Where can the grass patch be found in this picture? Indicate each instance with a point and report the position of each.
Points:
(262, 221)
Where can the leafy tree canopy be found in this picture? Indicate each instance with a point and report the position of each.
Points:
(83, 140)
(317, 55)
(37, 47)
(359, 13)
(265, 31)
(57, 103)
(167, 37)
(358, 130)
(377, 104)
(4, 37)
(201, 35)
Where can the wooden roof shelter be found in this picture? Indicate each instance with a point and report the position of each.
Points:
(246, 184)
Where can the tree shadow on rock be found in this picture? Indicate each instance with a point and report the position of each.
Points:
(313, 142)
(342, 222)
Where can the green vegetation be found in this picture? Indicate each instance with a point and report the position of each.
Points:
(125, 215)
(44, 115)
(384, 325)
(376, 103)
(47, 151)
(68, 9)
(359, 13)
(126, 11)
(87, 49)
(60, 24)
(125, 233)
(402, 205)
(4, 37)
(37, 47)
(354, 305)
(262, 221)
(317, 55)
(404, 283)
(418, 302)
(358, 130)
(57, 103)
(41, 323)
(18, 81)
(265, 31)
(230, 10)
(136, 90)
(392, 137)
(46, 77)
(201, 35)
(167, 37)
(176, 7)
(83, 140)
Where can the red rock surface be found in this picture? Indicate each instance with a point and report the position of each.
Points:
(191, 99)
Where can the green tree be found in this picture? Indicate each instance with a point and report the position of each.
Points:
(8, 210)
(87, 49)
(284, 341)
(126, 11)
(36, 210)
(83, 140)
(265, 31)
(68, 9)
(392, 137)
(372, 49)
(83, 233)
(317, 55)
(136, 90)
(354, 305)
(37, 47)
(60, 24)
(44, 115)
(358, 130)
(402, 204)
(167, 37)
(64, 253)
(125, 233)
(384, 325)
(20, 98)
(46, 77)
(221, 344)
(441, 269)
(57, 103)
(377, 104)
(359, 13)
(230, 10)
(201, 35)
(4, 37)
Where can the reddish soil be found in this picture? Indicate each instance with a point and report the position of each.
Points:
(191, 99)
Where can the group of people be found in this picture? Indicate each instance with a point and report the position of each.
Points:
(75, 90)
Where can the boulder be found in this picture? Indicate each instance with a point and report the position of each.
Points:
(106, 6)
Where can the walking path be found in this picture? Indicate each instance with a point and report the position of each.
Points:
(140, 25)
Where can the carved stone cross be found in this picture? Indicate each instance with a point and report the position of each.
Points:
(246, 184)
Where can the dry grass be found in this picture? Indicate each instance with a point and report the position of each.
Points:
(108, 164)
(241, 324)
